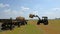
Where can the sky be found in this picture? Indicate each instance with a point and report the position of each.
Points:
(15, 8)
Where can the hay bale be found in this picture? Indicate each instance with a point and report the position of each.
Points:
(20, 18)
(31, 15)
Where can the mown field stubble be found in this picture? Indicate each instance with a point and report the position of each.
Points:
(32, 28)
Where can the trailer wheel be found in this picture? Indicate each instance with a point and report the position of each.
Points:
(19, 24)
(3, 26)
(25, 22)
(11, 27)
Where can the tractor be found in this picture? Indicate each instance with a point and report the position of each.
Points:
(44, 19)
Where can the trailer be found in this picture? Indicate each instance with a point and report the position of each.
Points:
(9, 24)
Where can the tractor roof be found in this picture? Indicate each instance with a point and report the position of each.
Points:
(44, 17)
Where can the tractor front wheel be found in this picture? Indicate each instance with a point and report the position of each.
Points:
(46, 23)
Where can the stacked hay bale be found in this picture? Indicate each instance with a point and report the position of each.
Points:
(21, 20)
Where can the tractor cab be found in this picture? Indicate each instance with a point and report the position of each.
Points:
(44, 18)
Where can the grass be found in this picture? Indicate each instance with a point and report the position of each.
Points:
(27, 29)
(31, 28)
(52, 28)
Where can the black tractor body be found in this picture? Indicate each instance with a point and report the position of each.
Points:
(44, 20)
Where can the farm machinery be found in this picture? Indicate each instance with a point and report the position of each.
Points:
(11, 23)
(44, 19)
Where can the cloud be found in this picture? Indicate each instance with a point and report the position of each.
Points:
(13, 13)
(35, 12)
(56, 9)
(24, 8)
(52, 13)
(10, 11)
(4, 5)
(7, 13)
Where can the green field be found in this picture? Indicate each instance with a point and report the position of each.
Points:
(31, 28)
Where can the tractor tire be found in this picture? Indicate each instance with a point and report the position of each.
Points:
(38, 23)
(46, 23)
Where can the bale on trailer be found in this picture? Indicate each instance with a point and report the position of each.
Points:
(31, 15)
(21, 20)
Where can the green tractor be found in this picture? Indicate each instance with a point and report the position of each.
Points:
(44, 19)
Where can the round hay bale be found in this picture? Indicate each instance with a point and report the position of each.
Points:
(31, 15)
(20, 18)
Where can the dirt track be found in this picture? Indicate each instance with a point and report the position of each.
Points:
(52, 28)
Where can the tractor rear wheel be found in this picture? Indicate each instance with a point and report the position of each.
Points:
(38, 23)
